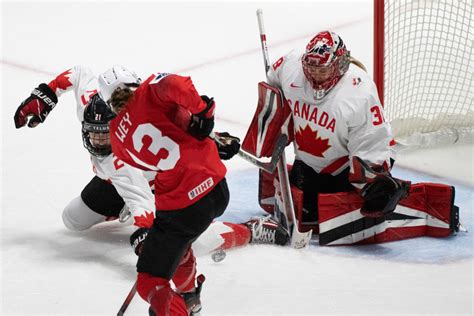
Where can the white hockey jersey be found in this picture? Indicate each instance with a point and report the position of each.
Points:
(132, 184)
(347, 122)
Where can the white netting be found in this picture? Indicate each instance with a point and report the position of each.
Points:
(428, 68)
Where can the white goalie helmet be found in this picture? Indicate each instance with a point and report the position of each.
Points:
(116, 77)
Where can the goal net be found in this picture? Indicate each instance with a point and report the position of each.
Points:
(423, 68)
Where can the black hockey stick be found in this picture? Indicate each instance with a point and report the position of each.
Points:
(128, 299)
(266, 166)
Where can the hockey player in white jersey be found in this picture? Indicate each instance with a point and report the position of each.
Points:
(115, 188)
(337, 117)
(118, 189)
(341, 185)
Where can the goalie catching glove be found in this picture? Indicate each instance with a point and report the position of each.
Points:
(36, 107)
(381, 192)
(227, 145)
(202, 123)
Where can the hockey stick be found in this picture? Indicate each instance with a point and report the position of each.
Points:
(266, 166)
(298, 239)
(128, 299)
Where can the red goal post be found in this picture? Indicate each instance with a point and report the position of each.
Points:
(423, 68)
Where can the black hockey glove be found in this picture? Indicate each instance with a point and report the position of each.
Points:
(380, 191)
(37, 106)
(137, 239)
(202, 123)
(382, 195)
(227, 145)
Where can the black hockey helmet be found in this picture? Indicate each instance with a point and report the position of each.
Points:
(95, 127)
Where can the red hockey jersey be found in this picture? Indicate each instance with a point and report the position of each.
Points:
(151, 134)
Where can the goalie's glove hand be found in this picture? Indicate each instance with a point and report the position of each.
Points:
(227, 145)
(202, 123)
(36, 107)
(137, 239)
(382, 195)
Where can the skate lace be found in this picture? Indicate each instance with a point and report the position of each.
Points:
(262, 233)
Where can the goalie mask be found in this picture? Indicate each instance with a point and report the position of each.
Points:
(325, 61)
(95, 127)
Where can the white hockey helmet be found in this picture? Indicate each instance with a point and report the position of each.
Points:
(116, 77)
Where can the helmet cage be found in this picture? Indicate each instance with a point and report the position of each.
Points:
(325, 50)
(95, 127)
(87, 129)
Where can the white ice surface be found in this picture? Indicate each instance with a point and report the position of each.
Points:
(47, 270)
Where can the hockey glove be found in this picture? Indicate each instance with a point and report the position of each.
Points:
(227, 145)
(37, 106)
(380, 191)
(137, 239)
(202, 123)
(382, 195)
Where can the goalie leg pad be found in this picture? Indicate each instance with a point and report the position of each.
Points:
(429, 210)
(266, 191)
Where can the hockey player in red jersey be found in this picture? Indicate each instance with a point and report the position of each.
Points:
(340, 179)
(162, 125)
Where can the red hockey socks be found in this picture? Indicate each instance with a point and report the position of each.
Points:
(239, 236)
(163, 300)
(185, 274)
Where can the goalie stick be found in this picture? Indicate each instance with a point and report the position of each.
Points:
(266, 166)
(298, 239)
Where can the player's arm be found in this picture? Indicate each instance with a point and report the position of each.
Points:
(371, 153)
(179, 90)
(132, 186)
(281, 67)
(274, 72)
(34, 109)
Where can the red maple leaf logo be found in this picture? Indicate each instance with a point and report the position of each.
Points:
(308, 141)
(62, 81)
(144, 220)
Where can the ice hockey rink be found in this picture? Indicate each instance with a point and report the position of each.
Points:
(48, 270)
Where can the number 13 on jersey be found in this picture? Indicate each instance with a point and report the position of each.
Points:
(158, 143)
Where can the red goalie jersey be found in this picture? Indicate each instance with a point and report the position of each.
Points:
(151, 134)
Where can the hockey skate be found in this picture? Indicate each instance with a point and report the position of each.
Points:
(193, 299)
(266, 230)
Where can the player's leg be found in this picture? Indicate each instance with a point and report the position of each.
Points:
(221, 235)
(77, 216)
(165, 253)
(99, 201)
(226, 235)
